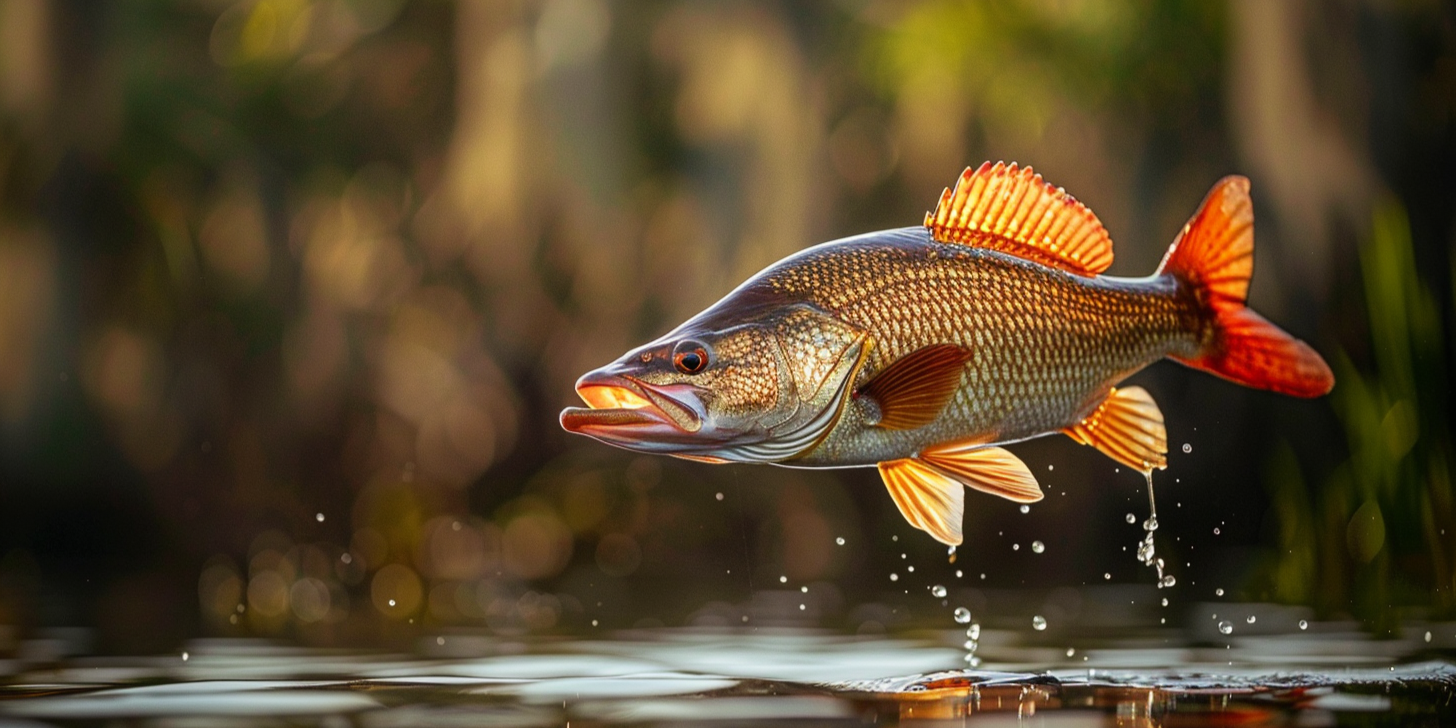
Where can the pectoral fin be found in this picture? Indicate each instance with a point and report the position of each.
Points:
(1127, 427)
(930, 500)
(912, 391)
(987, 469)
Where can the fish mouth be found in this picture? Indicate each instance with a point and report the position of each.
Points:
(628, 412)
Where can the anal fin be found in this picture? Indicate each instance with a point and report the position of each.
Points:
(1127, 427)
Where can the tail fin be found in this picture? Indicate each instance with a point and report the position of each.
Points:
(1214, 256)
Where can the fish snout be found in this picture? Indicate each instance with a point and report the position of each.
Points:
(626, 411)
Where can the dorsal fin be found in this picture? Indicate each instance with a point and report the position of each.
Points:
(1014, 211)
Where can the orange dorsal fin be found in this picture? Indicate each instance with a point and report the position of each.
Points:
(928, 499)
(1127, 427)
(1015, 212)
(991, 470)
(913, 390)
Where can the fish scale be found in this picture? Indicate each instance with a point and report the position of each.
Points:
(1045, 344)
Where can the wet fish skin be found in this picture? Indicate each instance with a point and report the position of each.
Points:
(920, 350)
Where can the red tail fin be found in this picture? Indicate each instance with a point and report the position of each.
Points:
(1214, 255)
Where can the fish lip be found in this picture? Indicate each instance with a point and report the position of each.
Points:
(624, 410)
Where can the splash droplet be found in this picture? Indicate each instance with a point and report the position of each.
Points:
(783, 579)
(1151, 524)
(1428, 637)
(1165, 601)
(1168, 581)
(186, 657)
(1071, 651)
(1130, 518)
(318, 517)
(1215, 531)
(719, 496)
(839, 540)
(1026, 509)
(803, 590)
(391, 602)
(1016, 547)
(1251, 619)
(1218, 592)
(1226, 627)
(974, 631)
(1108, 577)
(1303, 625)
(937, 591)
(1187, 448)
(1038, 623)
(962, 615)
(1037, 547)
(894, 577)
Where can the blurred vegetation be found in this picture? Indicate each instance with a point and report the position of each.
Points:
(291, 292)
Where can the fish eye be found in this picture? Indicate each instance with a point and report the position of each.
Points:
(690, 357)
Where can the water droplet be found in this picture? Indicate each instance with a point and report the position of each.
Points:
(1251, 619)
(1187, 448)
(1131, 518)
(1038, 623)
(1037, 547)
(962, 615)
(894, 538)
(894, 577)
(1165, 601)
(594, 623)
(959, 573)
(973, 661)
(1218, 592)
(783, 579)
(1428, 638)
(1108, 577)
(1226, 627)
(803, 590)
(1151, 524)
(1215, 531)
(439, 640)
(839, 540)
(1016, 547)
(801, 607)
(391, 602)
(1051, 467)
(910, 568)
(1303, 624)
(346, 558)
(318, 517)
(971, 645)
(719, 496)
(983, 576)
(186, 657)
(974, 631)
(1168, 581)
(937, 591)
(1026, 509)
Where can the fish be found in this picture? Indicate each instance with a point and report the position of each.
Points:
(923, 351)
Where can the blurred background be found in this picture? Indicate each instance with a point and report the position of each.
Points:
(292, 291)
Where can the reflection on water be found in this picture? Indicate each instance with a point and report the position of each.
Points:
(1328, 674)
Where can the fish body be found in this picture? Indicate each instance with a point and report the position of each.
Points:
(921, 350)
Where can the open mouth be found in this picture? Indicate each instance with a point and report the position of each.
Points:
(625, 409)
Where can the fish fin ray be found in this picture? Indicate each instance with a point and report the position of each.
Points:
(1214, 256)
(1127, 427)
(928, 499)
(990, 470)
(1015, 211)
(912, 391)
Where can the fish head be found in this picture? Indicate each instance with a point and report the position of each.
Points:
(741, 388)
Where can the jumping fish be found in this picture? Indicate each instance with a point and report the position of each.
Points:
(923, 350)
